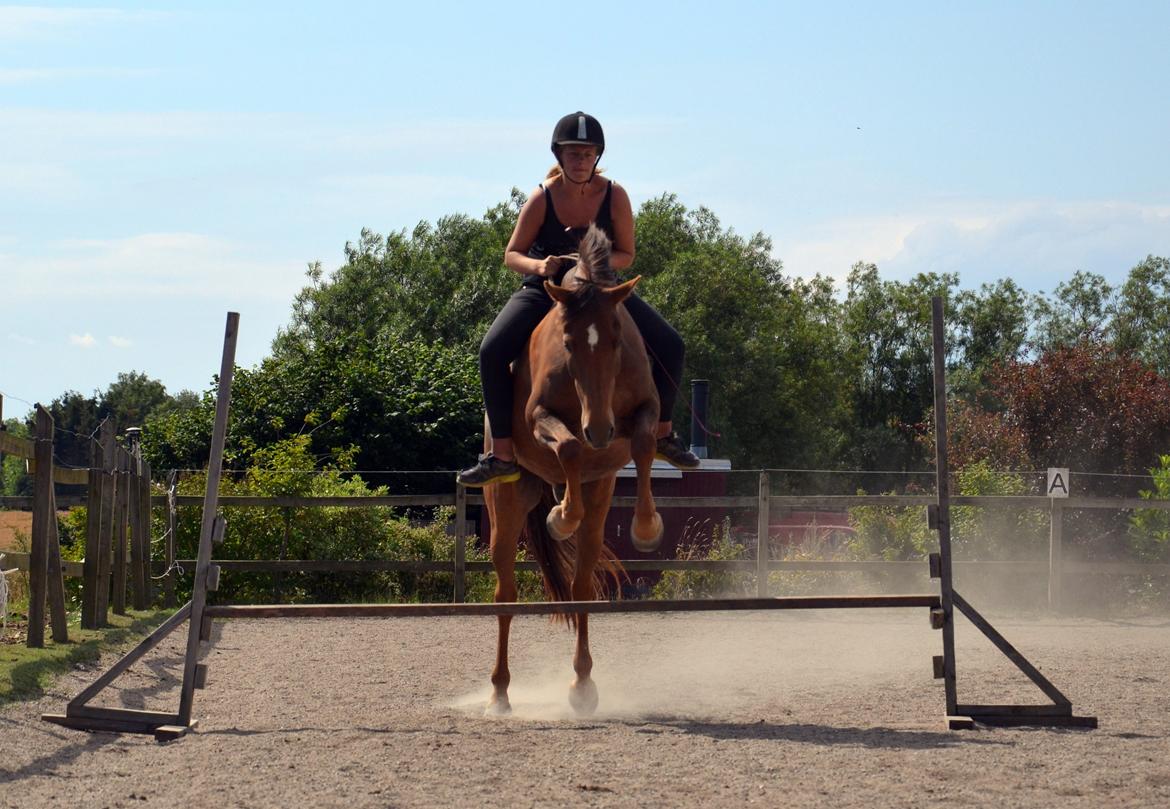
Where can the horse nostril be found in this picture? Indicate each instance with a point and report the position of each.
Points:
(610, 435)
(588, 435)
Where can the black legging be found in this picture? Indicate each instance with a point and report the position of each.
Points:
(520, 316)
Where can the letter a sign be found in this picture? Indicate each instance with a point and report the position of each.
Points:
(1057, 482)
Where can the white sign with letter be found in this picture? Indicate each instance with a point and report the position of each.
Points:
(1057, 482)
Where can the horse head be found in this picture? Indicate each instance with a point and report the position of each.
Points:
(591, 320)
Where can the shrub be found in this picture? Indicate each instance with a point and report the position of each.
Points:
(1149, 529)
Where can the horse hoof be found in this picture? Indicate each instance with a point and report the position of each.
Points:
(556, 524)
(650, 543)
(498, 707)
(583, 697)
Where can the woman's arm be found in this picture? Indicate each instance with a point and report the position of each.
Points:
(623, 229)
(527, 227)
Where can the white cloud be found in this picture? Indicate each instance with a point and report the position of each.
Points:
(1038, 244)
(40, 22)
(25, 75)
(20, 338)
(120, 342)
(149, 266)
(39, 181)
(86, 340)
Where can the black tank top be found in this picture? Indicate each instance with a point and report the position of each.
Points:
(554, 239)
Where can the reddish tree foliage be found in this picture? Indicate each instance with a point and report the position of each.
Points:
(1085, 407)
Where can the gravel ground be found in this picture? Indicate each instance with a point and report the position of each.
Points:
(816, 709)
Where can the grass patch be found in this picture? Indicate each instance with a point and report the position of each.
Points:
(25, 673)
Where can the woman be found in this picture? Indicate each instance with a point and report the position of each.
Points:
(550, 225)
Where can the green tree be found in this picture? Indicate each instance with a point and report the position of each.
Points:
(889, 353)
(1142, 320)
(1080, 312)
(765, 342)
(991, 328)
(130, 399)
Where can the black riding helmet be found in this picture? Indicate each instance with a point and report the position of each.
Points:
(578, 128)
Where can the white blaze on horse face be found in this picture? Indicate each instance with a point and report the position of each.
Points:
(594, 337)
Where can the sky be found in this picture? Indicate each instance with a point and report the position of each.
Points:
(162, 164)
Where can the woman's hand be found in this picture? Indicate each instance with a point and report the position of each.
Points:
(550, 266)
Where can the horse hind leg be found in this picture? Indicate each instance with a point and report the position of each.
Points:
(646, 530)
(508, 506)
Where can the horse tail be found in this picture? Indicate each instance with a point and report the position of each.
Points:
(594, 252)
(557, 560)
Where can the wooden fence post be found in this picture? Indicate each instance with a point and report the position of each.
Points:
(39, 553)
(172, 527)
(58, 616)
(278, 577)
(120, 519)
(140, 508)
(91, 579)
(139, 551)
(1056, 554)
(460, 543)
(764, 536)
(44, 575)
(106, 541)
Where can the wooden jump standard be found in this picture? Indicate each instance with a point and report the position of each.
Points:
(165, 726)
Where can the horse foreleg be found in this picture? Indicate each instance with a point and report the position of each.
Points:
(565, 517)
(646, 531)
(590, 538)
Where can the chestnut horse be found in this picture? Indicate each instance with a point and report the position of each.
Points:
(585, 405)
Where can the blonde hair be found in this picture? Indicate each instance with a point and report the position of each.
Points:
(555, 171)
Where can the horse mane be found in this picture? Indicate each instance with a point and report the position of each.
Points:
(593, 270)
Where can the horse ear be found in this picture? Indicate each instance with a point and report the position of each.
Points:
(559, 294)
(623, 291)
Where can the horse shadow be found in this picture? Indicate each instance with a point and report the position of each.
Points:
(874, 738)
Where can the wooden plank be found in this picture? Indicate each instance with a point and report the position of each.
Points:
(97, 712)
(20, 560)
(210, 509)
(1017, 710)
(1010, 652)
(1017, 721)
(42, 515)
(67, 476)
(20, 447)
(149, 642)
(98, 724)
(568, 607)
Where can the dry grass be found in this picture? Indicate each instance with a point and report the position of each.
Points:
(10, 523)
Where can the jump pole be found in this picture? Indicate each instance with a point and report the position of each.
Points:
(960, 716)
(165, 726)
(942, 606)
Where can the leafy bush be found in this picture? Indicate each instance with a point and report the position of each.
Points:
(999, 534)
(330, 533)
(1149, 529)
(686, 584)
(890, 533)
